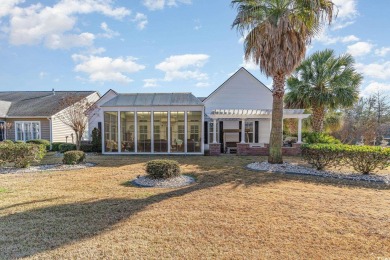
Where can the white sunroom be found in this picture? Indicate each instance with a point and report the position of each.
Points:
(143, 123)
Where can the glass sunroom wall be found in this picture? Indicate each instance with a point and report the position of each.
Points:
(111, 131)
(144, 144)
(160, 132)
(177, 132)
(127, 132)
(194, 131)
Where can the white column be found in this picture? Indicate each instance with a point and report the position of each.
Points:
(299, 130)
(135, 132)
(243, 131)
(169, 131)
(214, 131)
(185, 131)
(152, 131)
(119, 133)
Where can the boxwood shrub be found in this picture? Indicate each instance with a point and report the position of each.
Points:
(73, 157)
(320, 138)
(56, 146)
(86, 148)
(363, 159)
(21, 154)
(46, 143)
(67, 147)
(162, 169)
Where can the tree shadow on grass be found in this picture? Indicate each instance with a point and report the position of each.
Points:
(38, 230)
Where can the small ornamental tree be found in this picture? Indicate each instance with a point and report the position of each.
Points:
(74, 114)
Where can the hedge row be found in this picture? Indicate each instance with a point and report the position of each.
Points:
(363, 159)
(21, 154)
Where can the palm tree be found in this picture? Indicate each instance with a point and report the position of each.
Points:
(323, 81)
(276, 34)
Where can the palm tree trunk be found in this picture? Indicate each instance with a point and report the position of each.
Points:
(276, 138)
(318, 119)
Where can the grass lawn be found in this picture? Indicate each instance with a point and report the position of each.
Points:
(230, 213)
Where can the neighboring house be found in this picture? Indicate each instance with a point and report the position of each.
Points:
(239, 111)
(26, 115)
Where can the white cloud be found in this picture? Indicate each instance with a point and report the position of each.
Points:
(6, 6)
(108, 33)
(160, 4)
(141, 20)
(249, 65)
(60, 41)
(202, 84)
(360, 48)
(104, 69)
(43, 74)
(346, 15)
(38, 24)
(150, 83)
(185, 66)
(375, 87)
(326, 39)
(375, 70)
(382, 51)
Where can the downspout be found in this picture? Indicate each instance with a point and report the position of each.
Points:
(51, 132)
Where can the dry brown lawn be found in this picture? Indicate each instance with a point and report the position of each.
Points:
(230, 213)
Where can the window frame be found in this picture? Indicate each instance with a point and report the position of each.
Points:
(23, 130)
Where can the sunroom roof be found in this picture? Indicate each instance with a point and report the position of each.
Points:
(154, 99)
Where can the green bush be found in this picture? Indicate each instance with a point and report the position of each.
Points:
(86, 148)
(7, 142)
(56, 146)
(366, 159)
(320, 138)
(96, 140)
(322, 155)
(73, 157)
(67, 147)
(40, 141)
(21, 154)
(162, 169)
(363, 159)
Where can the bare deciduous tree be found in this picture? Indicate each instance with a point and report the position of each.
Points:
(74, 114)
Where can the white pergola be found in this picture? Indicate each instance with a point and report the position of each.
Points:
(245, 114)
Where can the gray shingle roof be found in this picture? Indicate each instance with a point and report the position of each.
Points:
(154, 99)
(35, 103)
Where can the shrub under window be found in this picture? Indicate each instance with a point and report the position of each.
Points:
(67, 147)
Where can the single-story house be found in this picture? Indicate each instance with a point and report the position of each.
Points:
(236, 113)
(26, 115)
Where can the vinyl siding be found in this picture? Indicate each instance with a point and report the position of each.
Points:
(61, 130)
(45, 127)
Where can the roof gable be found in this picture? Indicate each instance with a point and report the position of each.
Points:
(241, 91)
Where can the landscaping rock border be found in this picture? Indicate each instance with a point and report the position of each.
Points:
(288, 168)
(175, 182)
(47, 167)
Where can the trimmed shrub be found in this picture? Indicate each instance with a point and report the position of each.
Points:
(73, 157)
(56, 146)
(320, 138)
(86, 148)
(7, 142)
(40, 141)
(322, 155)
(66, 147)
(21, 154)
(366, 159)
(96, 140)
(162, 169)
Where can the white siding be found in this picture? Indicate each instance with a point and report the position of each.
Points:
(242, 90)
(60, 130)
(95, 116)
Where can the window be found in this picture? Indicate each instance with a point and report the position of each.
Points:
(2, 131)
(160, 127)
(177, 132)
(211, 131)
(111, 131)
(194, 126)
(127, 131)
(25, 131)
(249, 132)
(144, 132)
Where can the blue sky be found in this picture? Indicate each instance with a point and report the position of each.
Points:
(161, 45)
